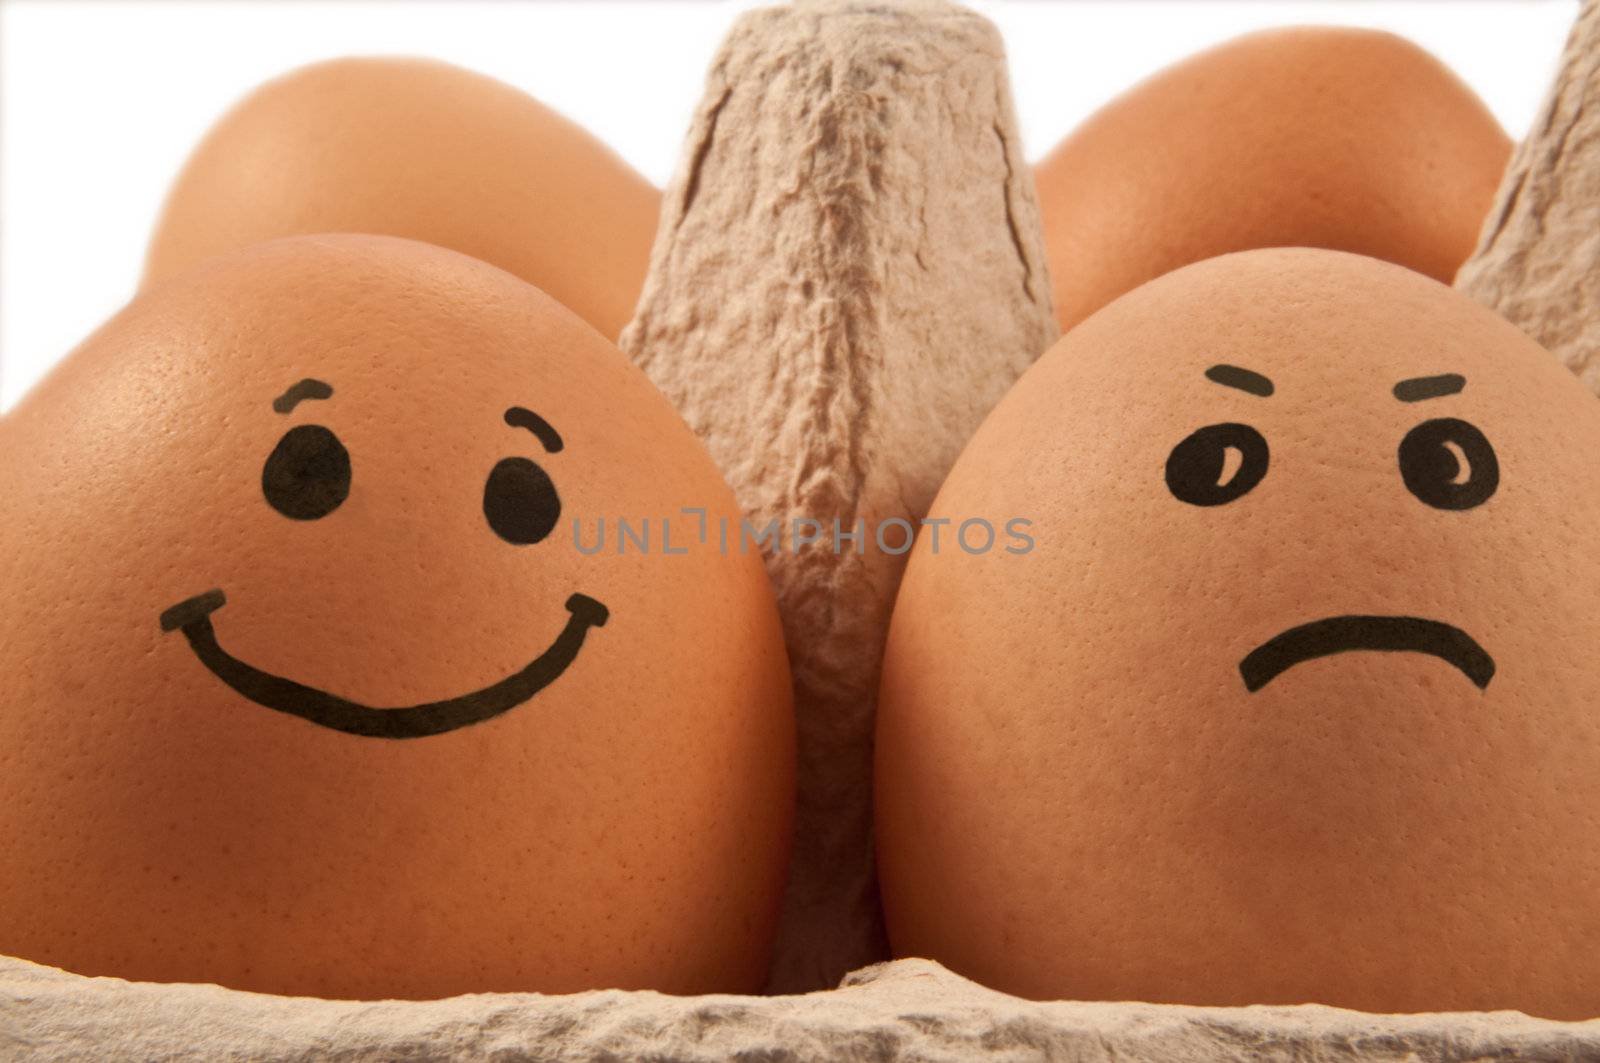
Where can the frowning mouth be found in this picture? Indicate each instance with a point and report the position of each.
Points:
(1338, 634)
(193, 617)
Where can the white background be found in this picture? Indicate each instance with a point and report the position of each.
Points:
(100, 102)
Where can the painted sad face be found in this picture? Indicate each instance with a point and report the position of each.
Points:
(1445, 462)
(1294, 698)
(307, 477)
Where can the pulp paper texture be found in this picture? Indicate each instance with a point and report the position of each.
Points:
(906, 1010)
(1538, 257)
(849, 273)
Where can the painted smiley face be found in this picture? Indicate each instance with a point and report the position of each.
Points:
(1447, 463)
(307, 477)
(207, 804)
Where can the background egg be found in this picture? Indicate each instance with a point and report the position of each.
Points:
(625, 826)
(1078, 794)
(425, 150)
(1318, 137)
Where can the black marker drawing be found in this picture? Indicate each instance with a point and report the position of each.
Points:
(1340, 634)
(1431, 457)
(305, 389)
(1195, 466)
(1429, 387)
(1446, 463)
(1231, 376)
(193, 618)
(307, 475)
(522, 417)
(520, 501)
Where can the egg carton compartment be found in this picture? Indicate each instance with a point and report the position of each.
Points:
(849, 273)
(1538, 258)
(853, 192)
(905, 1010)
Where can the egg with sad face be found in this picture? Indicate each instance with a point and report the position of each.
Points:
(312, 688)
(1294, 699)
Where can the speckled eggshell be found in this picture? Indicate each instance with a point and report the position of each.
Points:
(1077, 794)
(626, 825)
(1328, 137)
(424, 150)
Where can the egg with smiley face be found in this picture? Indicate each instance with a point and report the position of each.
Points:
(1290, 696)
(327, 673)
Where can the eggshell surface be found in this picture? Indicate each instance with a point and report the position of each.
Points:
(1327, 137)
(1292, 699)
(319, 680)
(424, 150)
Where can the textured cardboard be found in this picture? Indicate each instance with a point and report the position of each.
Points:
(906, 1010)
(1538, 257)
(849, 273)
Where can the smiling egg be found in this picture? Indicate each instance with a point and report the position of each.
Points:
(366, 634)
(424, 150)
(1287, 691)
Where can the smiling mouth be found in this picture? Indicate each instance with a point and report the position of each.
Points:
(1338, 634)
(193, 618)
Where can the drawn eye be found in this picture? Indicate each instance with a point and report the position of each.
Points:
(307, 474)
(520, 502)
(1449, 464)
(1216, 464)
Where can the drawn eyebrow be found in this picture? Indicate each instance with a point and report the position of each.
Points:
(521, 417)
(1429, 387)
(1231, 376)
(305, 389)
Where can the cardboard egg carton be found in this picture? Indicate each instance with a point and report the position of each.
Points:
(906, 1010)
(849, 273)
(1538, 259)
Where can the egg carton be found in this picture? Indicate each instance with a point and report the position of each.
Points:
(853, 191)
(1538, 258)
(905, 1010)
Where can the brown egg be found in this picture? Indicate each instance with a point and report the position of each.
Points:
(425, 150)
(309, 686)
(1348, 139)
(1293, 696)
